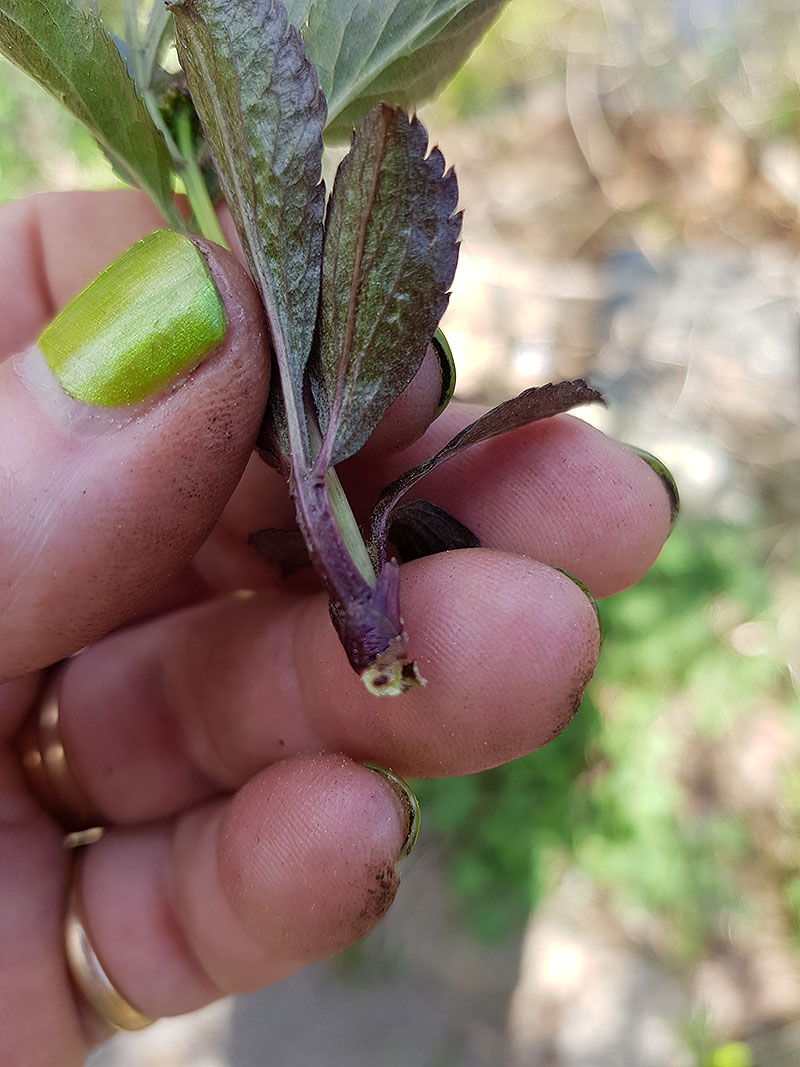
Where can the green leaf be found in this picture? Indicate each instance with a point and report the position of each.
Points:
(391, 248)
(367, 51)
(70, 54)
(297, 12)
(263, 113)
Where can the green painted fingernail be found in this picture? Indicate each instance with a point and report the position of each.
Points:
(666, 477)
(410, 803)
(584, 588)
(151, 316)
(448, 365)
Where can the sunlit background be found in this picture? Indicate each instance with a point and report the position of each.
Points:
(629, 897)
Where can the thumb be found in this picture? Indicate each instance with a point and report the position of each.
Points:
(123, 432)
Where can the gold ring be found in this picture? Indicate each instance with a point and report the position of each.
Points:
(45, 763)
(89, 974)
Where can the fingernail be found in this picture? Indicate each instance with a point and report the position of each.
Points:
(409, 801)
(150, 317)
(584, 588)
(448, 366)
(666, 477)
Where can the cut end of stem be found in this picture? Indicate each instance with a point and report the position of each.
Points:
(390, 675)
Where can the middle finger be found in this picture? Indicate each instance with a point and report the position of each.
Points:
(193, 703)
(182, 708)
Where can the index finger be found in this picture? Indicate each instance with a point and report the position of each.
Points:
(123, 434)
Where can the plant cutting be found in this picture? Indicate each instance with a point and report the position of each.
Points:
(354, 284)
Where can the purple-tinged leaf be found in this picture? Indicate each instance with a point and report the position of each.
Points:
(285, 548)
(419, 528)
(390, 253)
(263, 113)
(541, 402)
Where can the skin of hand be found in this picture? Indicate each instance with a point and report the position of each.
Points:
(219, 736)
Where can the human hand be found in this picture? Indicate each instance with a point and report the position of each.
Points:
(218, 735)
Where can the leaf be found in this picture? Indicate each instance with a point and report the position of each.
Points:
(420, 528)
(157, 34)
(263, 113)
(297, 13)
(541, 402)
(394, 51)
(285, 548)
(68, 52)
(391, 248)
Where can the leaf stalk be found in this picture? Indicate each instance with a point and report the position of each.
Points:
(196, 189)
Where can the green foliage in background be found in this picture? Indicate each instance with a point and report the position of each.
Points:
(627, 793)
(41, 146)
(500, 825)
(505, 62)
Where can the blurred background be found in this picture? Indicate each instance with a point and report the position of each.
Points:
(630, 896)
